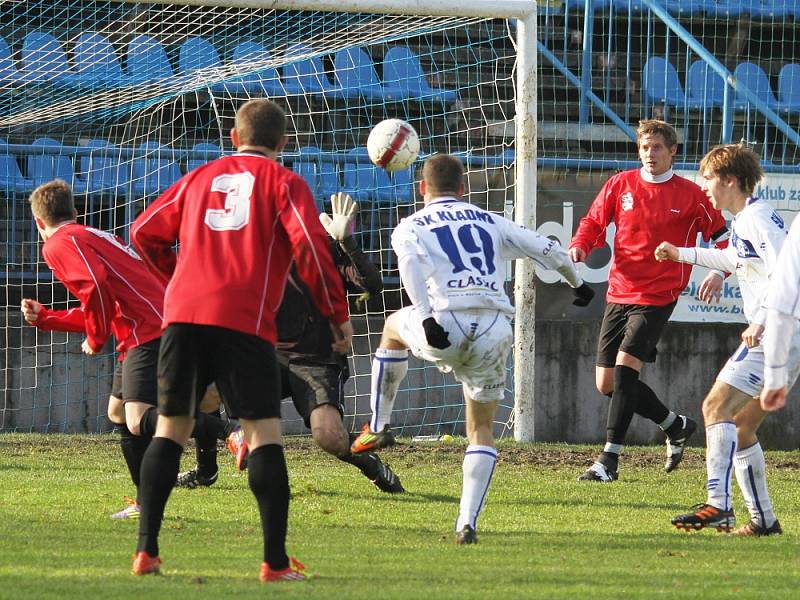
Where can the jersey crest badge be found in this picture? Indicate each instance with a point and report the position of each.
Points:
(627, 201)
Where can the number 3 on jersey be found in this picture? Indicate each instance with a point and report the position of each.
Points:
(238, 188)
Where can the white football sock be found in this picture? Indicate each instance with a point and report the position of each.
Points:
(389, 367)
(751, 474)
(720, 449)
(479, 463)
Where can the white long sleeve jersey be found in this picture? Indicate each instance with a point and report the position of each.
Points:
(757, 236)
(460, 252)
(783, 311)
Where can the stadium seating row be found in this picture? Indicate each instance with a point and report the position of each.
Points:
(95, 64)
(759, 9)
(705, 87)
(103, 168)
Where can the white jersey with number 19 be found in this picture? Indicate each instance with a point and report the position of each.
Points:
(463, 250)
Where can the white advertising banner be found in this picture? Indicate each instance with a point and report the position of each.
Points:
(782, 191)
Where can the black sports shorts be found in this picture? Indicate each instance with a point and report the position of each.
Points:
(312, 384)
(243, 366)
(632, 328)
(135, 378)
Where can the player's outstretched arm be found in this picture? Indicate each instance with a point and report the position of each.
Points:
(37, 314)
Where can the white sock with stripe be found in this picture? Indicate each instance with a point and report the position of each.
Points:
(720, 450)
(389, 367)
(479, 463)
(751, 474)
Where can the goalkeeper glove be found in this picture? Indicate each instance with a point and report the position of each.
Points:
(583, 295)
(435, 335)
(343, 209)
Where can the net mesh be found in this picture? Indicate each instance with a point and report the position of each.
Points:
(120, 99)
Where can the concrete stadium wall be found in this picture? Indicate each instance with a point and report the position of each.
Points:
(53, 387)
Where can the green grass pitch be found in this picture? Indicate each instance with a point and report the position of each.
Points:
(542, 534)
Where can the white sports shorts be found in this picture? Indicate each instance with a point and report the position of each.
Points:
(480, 342)
(745, 369)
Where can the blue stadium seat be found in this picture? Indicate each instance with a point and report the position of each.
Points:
(401, 68)
(307, 75)
(599, 5)
(199, 55)
(768, 9)
(264, 80)
(662, 84)
(397, 188)
(726, 8)
(753, 77)
(359, 177)
(306, 167)
(212, 152)
(44, 59)
(152, 171)
(107, 172)
(147, 61)
(96, 62)
(44, 167)
(11, 179)
(789, 87)
(704, 86)
(356, 71)
(9, 75)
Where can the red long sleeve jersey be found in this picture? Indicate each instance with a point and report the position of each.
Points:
(118, 294)
(239, 221)
(646, 214)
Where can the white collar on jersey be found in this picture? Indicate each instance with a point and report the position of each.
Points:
(665, 176)
(442, 199)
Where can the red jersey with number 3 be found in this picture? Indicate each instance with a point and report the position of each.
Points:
(645, 214)
(118, 294)
(239, 221)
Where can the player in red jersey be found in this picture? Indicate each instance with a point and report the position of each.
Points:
(240, 221)
(647, 205)
(118, 297)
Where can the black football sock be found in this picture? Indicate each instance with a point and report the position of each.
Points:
(366, 462)
(269, 482)
(211, 425)
(649, 406)
(206, 456)
(620, 412)
(159, 472)
(133, 458)
(148, 422)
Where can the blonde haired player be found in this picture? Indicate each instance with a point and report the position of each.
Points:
(731, 411)
(452, 259)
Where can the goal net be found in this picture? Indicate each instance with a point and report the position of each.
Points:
(121, 98)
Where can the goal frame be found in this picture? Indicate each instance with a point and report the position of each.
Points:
(525, 12)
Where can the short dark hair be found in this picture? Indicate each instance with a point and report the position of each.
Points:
(443, 174)
(260, 123)
(53, 202)
(656, 127)
(736, 160)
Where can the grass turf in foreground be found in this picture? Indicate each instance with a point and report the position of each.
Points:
(542, 534)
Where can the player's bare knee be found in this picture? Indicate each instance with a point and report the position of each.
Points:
(133, 426)
(116, 410)
(714, 407)
(332, 440)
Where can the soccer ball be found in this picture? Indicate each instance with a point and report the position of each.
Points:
(393, 145)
